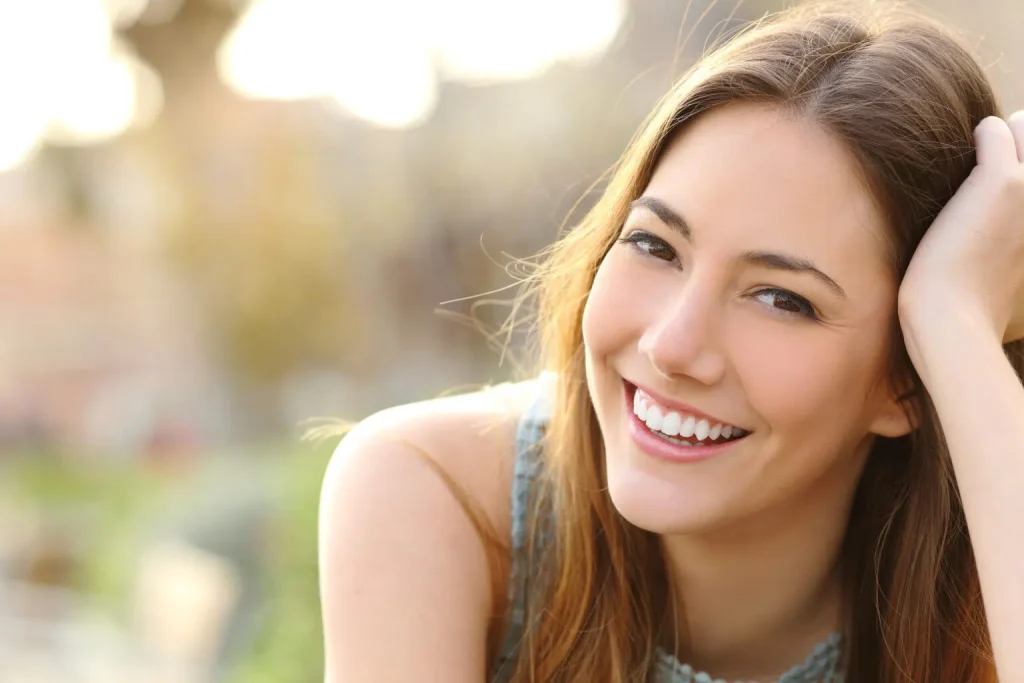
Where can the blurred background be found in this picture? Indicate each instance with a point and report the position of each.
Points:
(220, 218)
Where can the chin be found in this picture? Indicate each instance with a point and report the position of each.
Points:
(663, 506)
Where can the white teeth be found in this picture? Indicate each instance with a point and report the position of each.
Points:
(654, 418)
(670, 425)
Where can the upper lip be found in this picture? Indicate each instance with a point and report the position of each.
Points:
(680, 407)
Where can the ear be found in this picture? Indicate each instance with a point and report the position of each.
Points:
(897, 414)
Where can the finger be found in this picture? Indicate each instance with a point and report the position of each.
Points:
(1016, 124)
(995, 143)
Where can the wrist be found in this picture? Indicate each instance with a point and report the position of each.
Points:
(940, 311)
(946, 334)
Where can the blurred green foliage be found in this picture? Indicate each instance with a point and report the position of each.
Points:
(109, 510)
(100, 507)
(288, 642)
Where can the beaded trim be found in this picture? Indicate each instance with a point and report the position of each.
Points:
(821, 666)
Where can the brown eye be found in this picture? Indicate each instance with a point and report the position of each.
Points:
(787, 302)
(648, 243)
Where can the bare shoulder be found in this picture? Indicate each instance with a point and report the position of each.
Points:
(470, 437)
(402, 566)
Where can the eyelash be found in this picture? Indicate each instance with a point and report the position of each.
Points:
(639, 238)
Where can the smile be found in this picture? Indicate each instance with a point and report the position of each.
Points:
(676, 434)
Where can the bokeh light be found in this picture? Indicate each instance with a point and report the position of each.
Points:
(68, 81)
(382, 61)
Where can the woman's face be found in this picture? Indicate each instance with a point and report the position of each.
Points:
(749, 287)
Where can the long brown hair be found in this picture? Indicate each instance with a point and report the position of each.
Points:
(904, 96)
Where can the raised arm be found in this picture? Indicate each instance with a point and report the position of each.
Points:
(980, 403)
(962, 298)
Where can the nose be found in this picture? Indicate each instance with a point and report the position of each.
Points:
(682, 340)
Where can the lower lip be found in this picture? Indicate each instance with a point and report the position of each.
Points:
(657, 447)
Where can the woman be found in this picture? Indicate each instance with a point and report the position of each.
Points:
(782, 433)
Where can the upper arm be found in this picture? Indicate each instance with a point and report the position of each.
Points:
(406, 588)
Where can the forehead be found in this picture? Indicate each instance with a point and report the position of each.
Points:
(750, 176)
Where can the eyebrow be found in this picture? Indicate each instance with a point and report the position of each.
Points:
(764, 259)
(664, 213)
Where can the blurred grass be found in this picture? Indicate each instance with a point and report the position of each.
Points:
(288, 643)
(105, 504)
(111, 508)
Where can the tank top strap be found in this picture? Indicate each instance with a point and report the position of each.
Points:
(529, 434)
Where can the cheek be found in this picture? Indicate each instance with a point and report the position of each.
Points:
(607, 319)
(795, 378)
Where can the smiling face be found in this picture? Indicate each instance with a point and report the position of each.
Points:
(749, 284)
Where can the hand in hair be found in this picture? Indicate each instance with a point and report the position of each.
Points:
(969, 267)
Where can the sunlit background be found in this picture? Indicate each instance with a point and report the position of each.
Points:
(220, 218)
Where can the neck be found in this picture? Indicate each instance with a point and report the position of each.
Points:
(754, 599)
